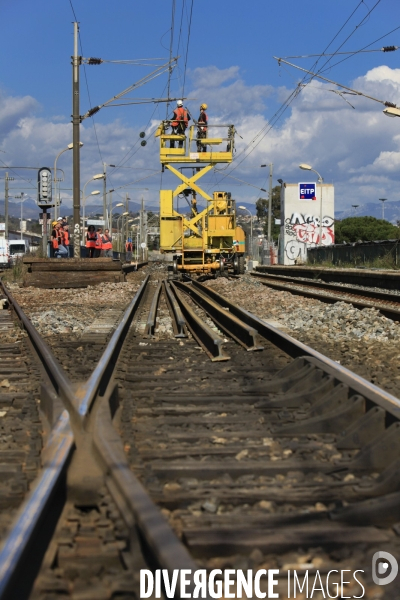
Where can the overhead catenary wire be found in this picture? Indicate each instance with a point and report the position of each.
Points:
(350, 52)
(187, 49)
(362, 49)
(171, 42)
(353, 91)
(128, 155)
(252, 145)
(351, 34)
(11, 170)
(135, 85)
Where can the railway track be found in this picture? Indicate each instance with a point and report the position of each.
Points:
(387, 303)
(233, 446)
(20, 426)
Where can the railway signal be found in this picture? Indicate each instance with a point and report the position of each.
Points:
(44, 201)
(44, 187)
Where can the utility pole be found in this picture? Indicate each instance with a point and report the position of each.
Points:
(141, 222)
(270, 204)
(76, 119)
(7, 179)
(127, 216)
(383, 207)
(105, 213)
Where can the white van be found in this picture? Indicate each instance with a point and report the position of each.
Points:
(18, 249)
(4, 253)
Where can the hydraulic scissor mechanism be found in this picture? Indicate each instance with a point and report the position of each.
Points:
(203, 241)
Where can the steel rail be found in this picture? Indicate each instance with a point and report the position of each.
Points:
(26, 530)
(179, 323)
(378, 278)
(151, 319)
(229, 323)
(203, 334)
(56, 374)
(387, 311)
(295, 349)
(387, 296)
(133, 501)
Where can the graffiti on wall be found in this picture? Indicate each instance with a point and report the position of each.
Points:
(305, 232)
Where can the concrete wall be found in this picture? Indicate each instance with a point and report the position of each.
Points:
(300, 218)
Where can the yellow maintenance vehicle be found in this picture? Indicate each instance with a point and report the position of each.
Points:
(206, 242)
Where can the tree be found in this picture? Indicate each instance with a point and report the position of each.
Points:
(366, 229)
(262, 211)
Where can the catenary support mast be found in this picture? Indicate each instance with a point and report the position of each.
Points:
(75, 140)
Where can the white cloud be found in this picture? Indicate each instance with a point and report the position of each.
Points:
(227, 101)
(356, 149)
(13, 110)
(320, 128)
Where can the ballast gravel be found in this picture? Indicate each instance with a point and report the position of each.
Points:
(70, 311)
(364, 341)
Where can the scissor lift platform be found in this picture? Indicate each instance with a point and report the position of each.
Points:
(207, 241)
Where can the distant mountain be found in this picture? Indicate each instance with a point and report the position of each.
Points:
(372, 209)
(133, 207)
(30, 210)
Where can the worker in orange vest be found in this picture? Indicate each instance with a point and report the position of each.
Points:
(202, 126)
(106, 244)
(60, 250)
(98, 249)
(128, 249)
(91, 237)
(67, 238)
(180, 122)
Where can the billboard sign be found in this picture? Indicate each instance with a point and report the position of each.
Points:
(307, 191)
(99, 222)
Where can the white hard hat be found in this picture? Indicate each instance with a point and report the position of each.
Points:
(179, 103)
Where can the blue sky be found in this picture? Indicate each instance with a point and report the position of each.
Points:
(229, 65)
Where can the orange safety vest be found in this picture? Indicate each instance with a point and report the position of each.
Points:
(66, 237)
(91, 238)
(99, 243)
(203, 121)
(181, 115)
(106, 242)
(128, 246)
(57, 236)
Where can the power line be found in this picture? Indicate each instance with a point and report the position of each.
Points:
(171, 41)
(388, 48)
(252, 145)
(73, 11)
(351, 52)
(354, 92)
(180, 26)
(352, 33)
(187, 49)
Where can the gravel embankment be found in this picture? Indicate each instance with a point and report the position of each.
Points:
(70, 311)
(361, 340)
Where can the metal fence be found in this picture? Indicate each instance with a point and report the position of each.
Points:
(359, 253)
(262, 252)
